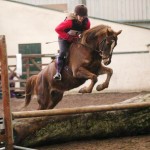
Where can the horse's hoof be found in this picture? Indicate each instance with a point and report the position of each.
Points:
(100, 87)
(83, 90)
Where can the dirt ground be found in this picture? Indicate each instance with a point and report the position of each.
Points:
(124, 143)
(77, 100)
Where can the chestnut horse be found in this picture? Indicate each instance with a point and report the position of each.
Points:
(86, 59)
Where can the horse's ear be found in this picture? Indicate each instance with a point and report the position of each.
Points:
(109, 31)
(119, 32)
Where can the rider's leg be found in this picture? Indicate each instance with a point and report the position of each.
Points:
(64, 46)
(60, 64)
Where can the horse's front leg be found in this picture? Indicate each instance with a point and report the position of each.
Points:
(84, 73)
(109, 72)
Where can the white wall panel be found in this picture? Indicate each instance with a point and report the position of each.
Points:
(41, 2)
(120, 10)
(115, 10)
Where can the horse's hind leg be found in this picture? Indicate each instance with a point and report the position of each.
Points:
(41, 101)
(41, 98)
(29, 90)
(109, 72)
(55, 98)
(42, 92)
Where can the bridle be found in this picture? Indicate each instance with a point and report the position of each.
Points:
(100, 48)
(101, 45)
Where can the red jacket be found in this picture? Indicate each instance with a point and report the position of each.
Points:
(71, 25)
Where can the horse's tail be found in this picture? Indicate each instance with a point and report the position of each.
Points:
(29, 91)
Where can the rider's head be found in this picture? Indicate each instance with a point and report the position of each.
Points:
(81, 10)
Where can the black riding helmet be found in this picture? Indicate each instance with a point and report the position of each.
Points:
(81, 10)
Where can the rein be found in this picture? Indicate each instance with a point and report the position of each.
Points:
(97, 50)
(101, 43)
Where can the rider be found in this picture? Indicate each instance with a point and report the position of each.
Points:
(69, 31)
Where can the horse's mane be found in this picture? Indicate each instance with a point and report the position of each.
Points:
(93, 33)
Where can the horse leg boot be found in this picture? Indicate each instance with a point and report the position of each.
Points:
(109, 72)
(84, 73)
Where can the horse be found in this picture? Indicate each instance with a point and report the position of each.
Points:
(87, 59)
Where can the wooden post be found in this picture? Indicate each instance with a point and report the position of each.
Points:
(28, 67)
(6, 95)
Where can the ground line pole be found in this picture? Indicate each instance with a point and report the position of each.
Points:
(79, 110)
(6, 95)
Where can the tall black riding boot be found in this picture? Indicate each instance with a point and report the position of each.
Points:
(60, 63)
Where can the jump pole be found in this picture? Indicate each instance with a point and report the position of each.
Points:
(79, 110)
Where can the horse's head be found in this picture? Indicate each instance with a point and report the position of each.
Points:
(106, 44)
(101, 39)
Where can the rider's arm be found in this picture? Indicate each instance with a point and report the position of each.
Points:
(62, 28)
(88, 24)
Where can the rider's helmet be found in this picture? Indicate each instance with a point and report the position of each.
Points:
(81, 10)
